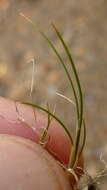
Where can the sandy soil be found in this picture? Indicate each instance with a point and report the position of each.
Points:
(83, 26)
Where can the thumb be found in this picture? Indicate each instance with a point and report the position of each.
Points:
(24, 165)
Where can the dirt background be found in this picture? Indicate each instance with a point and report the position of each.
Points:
(84, 28)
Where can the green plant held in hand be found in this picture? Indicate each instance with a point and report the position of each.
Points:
(78, 142)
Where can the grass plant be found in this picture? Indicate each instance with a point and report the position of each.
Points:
(78, 142)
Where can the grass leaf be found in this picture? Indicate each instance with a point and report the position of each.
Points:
(52, 115)
(77, 149)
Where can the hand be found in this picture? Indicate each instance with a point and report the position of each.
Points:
(25, 165)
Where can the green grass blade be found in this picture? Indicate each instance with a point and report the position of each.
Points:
(78, 97)
(60, 59)
(77, 141)
(52, 115)
(45, 131)
(82, 145)
(74, 70)
(84, 139)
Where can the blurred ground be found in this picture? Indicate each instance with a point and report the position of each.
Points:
(83, 25)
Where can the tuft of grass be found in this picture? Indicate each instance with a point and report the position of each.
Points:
(76, 145)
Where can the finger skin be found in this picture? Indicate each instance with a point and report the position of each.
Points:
(24, 165)
(58, 143)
